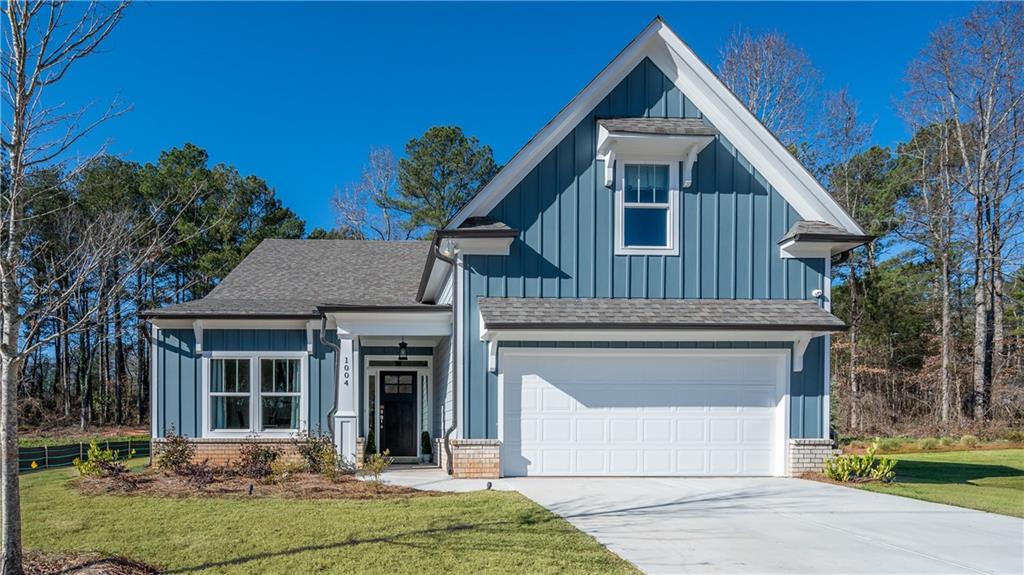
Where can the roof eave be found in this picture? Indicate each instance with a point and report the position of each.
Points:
(663, 327)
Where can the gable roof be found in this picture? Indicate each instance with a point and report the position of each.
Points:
(715, 101)
(291, 278)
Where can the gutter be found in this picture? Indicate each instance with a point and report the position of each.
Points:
(337, 354)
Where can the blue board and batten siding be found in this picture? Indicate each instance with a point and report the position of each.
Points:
(730, 223)
(179, 384)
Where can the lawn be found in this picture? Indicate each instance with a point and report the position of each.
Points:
(484, 531)
(989, 480)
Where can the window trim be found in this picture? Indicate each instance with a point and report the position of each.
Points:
(255, 394)
(672, 249)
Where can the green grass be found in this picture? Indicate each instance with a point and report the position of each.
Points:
(40, 441)
(989, 480)
(484, 531)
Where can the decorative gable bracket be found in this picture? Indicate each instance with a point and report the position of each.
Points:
(653, 145)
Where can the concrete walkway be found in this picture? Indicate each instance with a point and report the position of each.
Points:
(719, 525)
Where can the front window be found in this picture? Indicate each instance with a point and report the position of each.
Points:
(645, 202)
(238, 406)
(279, 393)
(229, 394)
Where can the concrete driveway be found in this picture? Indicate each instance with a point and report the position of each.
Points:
(665, 525)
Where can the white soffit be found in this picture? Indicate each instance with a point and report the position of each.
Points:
(718, 105)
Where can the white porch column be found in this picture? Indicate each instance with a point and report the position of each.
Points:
(345, 427)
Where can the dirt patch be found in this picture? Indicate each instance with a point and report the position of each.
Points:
(157, 483)
(73, 563)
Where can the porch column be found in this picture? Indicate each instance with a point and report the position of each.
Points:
(345, 427)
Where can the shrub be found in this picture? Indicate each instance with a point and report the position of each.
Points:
(928, 443)
(888, 444)
(176, 454)
(255, 460)
(425, 446)
(317, 451)
(198, 475)
(376, 465)
(281, 469)
(860, 468)
(1015, 436)
(98, 462)
(946, 441)
(969, 441)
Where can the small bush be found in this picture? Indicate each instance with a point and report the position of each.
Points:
(1015, 436)
(119, 473)
(376, 465)
(98, 461)
(969, 441)
(860, 468)
(947, 441)
(281, 469)
(317, 451)
(176, 454)
(889, 444)
(255, 460)
(425, 446)
(198, 475)
(928, 443)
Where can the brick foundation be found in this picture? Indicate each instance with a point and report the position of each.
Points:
(476, 458)
(808, 455)
(224, 452)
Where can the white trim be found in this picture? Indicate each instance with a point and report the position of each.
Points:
(197, 332)
(312, 330)
(375, 371)
(480, 246)
(184, 323)
(458, 353)
(782, 386)
(680, 148)
(721, 108)
(255, 393)
(154, 333)
(423, 323)
(827, 397)
(673, 231)
(792, 249)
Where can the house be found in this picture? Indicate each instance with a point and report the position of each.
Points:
(642, 290)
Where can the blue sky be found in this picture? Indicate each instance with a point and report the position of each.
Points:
(297, 93)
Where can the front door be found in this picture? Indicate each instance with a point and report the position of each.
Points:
(398, 413)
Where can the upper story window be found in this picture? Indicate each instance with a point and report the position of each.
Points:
(646, 214)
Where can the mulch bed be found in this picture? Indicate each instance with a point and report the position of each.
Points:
(73, 563)
(159, 483)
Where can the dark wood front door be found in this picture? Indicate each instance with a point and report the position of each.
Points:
(398, 413)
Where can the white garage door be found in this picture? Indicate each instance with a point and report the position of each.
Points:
(642, 412)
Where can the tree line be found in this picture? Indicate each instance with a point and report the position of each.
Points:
(935, 303)
(207, 217)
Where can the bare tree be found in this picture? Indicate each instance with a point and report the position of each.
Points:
(844, 136)
(971, 75)
(930, 222)
(775, 79)
(363, 209)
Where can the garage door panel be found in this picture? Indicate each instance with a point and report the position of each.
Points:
(622, 415)
(591, 430)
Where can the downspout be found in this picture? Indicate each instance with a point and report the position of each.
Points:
(337, 355)
(455, 352)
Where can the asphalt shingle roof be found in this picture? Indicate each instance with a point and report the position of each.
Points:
(815, 230)
(293, 277)
(536, 313)
(662, 126)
